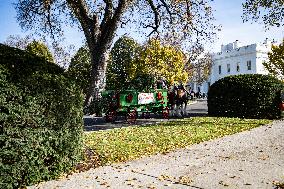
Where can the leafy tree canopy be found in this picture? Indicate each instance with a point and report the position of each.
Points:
(139, 67)
(164, 61)
(123, 57)
(40, 49)
(79, 68)
(275, 65)
(270, 12)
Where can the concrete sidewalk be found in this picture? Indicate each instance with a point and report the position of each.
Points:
(251, 159)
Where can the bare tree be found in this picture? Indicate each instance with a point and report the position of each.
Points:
(184, 20)
(18, 41)
(61, 53)
(200, 68)
(194, 52)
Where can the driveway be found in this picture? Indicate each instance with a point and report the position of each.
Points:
(197, 108)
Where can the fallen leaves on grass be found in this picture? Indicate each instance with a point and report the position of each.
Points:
(91, 160)
(120, 145)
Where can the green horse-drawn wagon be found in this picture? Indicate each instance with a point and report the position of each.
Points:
(130, 103)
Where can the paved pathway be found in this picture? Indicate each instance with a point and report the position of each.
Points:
(197, 108)
(251, 159)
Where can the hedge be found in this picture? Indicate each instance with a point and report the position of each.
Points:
(41, 122)
(246, 96)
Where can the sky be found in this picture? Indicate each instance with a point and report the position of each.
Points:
(227, 13)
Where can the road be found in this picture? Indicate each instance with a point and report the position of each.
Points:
(197, 108)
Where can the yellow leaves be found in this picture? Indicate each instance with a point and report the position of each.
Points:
(276, 61)
(165, 177)
(130, 64)
(278, 184)
(184, 180)
(164, 61)
(151, 187)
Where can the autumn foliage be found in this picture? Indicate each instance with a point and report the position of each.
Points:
(164, 61)
(135, 66)
(275, 64)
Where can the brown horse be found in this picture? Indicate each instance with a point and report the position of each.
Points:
(178, 98)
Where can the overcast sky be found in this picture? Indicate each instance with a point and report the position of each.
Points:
(228, 14)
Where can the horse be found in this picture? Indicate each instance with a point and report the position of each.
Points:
(178, 98)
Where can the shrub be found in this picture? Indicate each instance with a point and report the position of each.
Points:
(40, 120)
(245, 96)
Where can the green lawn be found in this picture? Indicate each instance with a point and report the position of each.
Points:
(133, 142)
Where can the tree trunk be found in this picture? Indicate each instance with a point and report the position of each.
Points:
(99, 40)
(99, 57)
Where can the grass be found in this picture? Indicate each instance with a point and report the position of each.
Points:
(118, 145)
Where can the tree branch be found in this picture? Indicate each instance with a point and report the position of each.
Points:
(108, 12)
(157, 17)
(80, 9)
(109, 27)
(167, 9)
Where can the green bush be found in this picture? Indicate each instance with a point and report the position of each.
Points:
(40, 120)
(245, 96)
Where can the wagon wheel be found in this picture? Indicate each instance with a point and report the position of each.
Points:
(131, 116)
(166, 113)
(110, 116)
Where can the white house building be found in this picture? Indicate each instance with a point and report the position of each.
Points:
(235, 59)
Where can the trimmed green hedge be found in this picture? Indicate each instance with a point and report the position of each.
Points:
(41, 122)
(245, 96)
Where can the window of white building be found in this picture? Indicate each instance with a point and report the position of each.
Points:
(249, 65)
(228, 68)
(220, 69)
(238, 67)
